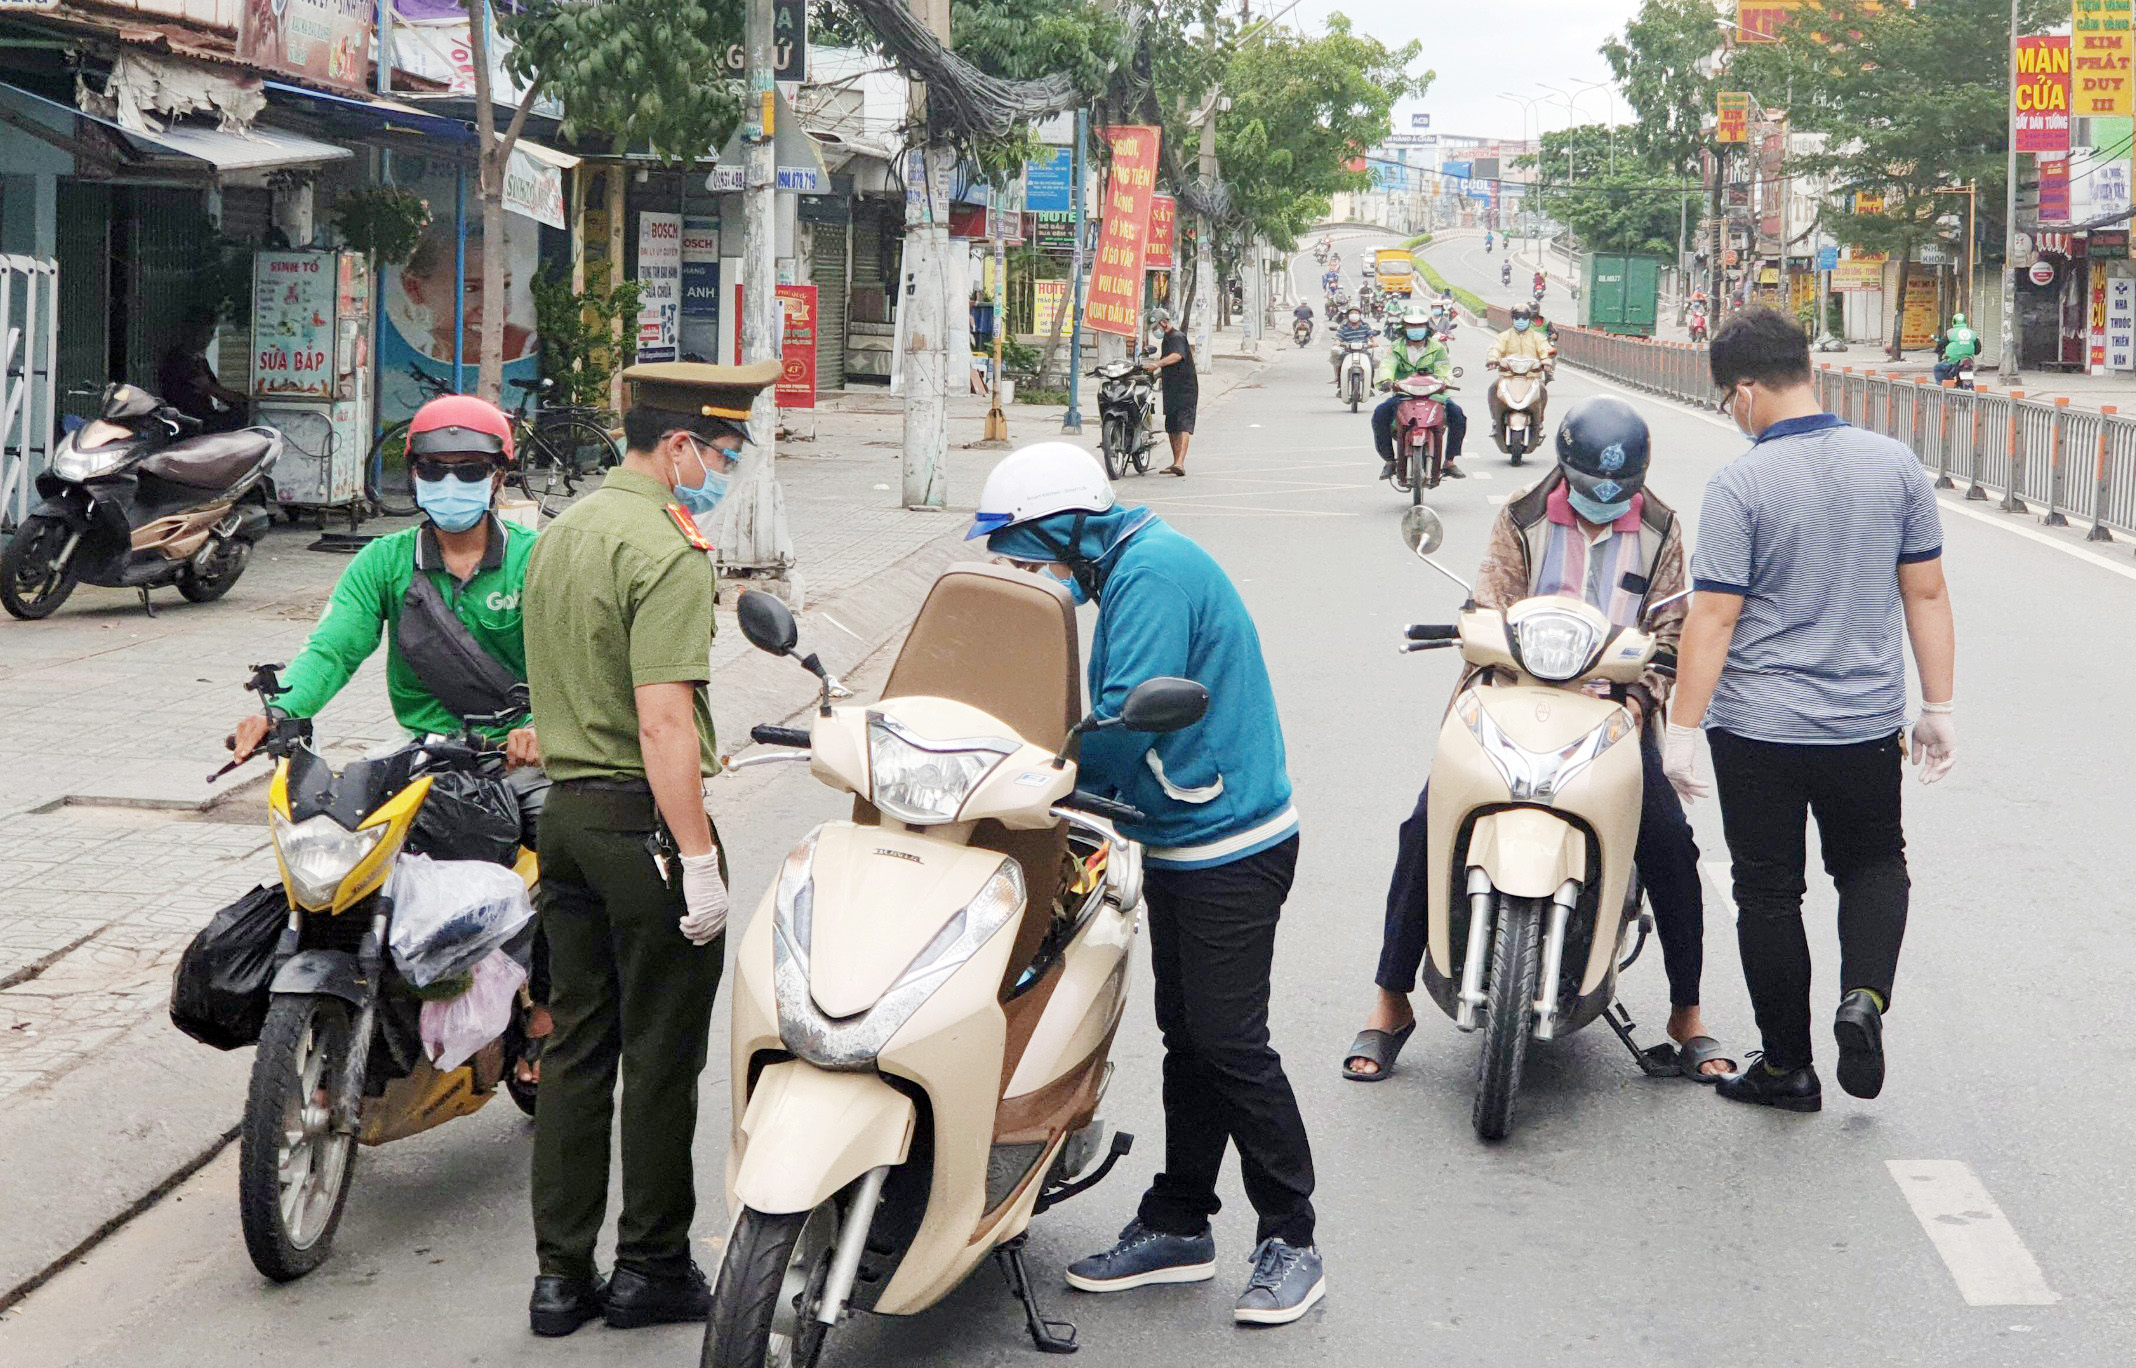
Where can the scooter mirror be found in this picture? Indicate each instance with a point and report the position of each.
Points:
(1422, 531)
(1459, 372)
(1164, 704)
(767, 622)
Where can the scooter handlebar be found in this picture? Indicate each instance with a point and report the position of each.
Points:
(1432, 631)
(1084, 801)
(779, 736)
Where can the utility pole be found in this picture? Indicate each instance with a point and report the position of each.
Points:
(1204, 248)
(925, 299)
(997, 422)
(754, 524)
(1072, 420)
(2007, 373)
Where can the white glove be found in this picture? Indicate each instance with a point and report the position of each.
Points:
(704, 898)
(1679, 760)
(1935, 739)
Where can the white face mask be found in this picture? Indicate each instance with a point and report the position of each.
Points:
(1743, 414)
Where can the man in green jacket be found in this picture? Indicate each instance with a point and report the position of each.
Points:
(1960, 343)
(459, 448)
(1416, 351)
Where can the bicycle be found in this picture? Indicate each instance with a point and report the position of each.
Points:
(385, 472)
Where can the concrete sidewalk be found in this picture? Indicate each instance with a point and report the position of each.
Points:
(113, 851)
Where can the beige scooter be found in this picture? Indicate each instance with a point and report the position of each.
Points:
(1535, 795)
(926, 999)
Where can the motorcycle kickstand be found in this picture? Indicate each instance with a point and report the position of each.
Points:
(146, 606)
(1655, 1061)
(1050, 1336)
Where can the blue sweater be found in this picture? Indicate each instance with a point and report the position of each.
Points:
(1219, 790)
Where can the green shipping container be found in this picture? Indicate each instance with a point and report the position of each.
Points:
(1620, 292)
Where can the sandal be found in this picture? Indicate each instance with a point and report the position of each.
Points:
(1382, 1048)
(1695, 1054)
(1173, 470)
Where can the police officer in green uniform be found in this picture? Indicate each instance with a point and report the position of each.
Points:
(633, 895)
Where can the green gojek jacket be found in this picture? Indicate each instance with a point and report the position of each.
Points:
(1960, 342)
(368, 599)
(1406, 358)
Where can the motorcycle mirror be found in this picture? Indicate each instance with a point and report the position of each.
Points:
(1164, 704)
(767, 622)
(1659, 604)
(1422, 532)
(1459, 372)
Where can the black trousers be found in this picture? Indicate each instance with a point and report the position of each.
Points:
(1383, 427)
(1767, 789)
(1212, 944)
(1667, 856)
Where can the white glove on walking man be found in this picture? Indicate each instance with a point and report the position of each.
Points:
(1679, 761)
(1935, 740)
(704, 898)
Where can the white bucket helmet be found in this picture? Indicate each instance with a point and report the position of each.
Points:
(1037, 482)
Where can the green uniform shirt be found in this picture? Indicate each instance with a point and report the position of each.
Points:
(1406, 358)
(621, 598)
(369, 597)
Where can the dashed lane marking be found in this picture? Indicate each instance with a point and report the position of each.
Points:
(1979, 1246)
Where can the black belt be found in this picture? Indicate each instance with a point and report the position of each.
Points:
(637, 786)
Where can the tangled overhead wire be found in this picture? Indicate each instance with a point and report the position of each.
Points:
(1206, 195)
(963, 102)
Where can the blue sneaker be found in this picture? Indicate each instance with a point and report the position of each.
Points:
(1145, 1257)
(1286, 1281)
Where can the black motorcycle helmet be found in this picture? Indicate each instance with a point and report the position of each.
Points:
(1602, 448)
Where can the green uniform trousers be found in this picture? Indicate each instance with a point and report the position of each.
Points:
(627, 989)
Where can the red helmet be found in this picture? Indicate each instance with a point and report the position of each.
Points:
(455, 424)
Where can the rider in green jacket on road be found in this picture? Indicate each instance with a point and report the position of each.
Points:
(1416, 351)
(1960, 343)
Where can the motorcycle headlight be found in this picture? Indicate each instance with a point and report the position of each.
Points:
(925, 782)
(1537, 776)
(1557, 646)
(318, 853)
(84, 454)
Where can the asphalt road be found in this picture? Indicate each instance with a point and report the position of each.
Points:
(1628, 1221)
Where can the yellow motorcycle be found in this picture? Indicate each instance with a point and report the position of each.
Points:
(341, 1059)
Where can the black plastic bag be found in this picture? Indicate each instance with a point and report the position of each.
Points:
(467, 817)
(219, 992)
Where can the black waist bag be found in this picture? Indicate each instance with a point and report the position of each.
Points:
(468, 680)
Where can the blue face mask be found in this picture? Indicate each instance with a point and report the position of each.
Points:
(1417, 334)
(704, 496)
(1600, 514)
(454, 505)
(1520, 325)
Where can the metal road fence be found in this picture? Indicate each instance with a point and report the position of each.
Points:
(2050, 459)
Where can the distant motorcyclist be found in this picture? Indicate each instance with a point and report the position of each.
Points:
(1443, 318)
(1486, 239)
(1417, 352)
(1522, 339)
(1330, 281)
(1302, 317)
(1505, 272)
(1960, 343)
(1352, 328)
(1698, 316)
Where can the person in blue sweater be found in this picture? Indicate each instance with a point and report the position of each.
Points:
(1221, 845)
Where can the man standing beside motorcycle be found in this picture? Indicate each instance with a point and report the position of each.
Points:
(1819, 553)
(1222, 847)
(1416, 351)
(1174, 367)
(1591, 530)
(1522, 339)
(1960, 344)
(1353, 328)
(633, 891)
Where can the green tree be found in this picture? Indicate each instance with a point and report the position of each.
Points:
(1664, 64)
(1635, 208)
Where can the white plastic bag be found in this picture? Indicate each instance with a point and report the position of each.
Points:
(453, 1030)
(448, 914)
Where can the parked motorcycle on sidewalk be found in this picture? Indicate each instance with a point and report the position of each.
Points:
(1535, 796)
(1420, 434)
(1126, 398)
(341, 1058)
(1356, 372)
(925, 1002)
(139, 498)
(1521, 393)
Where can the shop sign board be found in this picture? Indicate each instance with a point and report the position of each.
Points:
(659, 286)
(2041, 94)
(327, 42)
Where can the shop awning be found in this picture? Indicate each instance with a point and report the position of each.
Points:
(261, 149)
(372, 116)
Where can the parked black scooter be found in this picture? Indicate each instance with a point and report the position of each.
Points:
(1126, 395)
(139, 498)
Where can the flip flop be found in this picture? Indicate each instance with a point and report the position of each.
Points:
(1381, 1047)
(1173, 470)
(1694, 1054)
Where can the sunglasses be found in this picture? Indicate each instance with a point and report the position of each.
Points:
(426, 468)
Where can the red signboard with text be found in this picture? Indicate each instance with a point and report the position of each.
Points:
(2042, 94)
(797, 382)
(1164, 217)
(1115, 302)
(2054, 190)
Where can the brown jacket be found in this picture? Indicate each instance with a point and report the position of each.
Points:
(1511, 559)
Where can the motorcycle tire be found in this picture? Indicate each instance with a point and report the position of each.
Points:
(1402, 478)
(1142, 458)
(1114, 445)
(1509, 1019)
(770, 1281)
(302, 1048)
(229, 566)
(29, 588)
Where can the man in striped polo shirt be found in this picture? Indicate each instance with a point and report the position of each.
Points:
(1817, 549)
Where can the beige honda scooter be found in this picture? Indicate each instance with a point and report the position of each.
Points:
(926, 999)
(1535, 796)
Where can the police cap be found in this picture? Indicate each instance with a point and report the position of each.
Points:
(694, 389)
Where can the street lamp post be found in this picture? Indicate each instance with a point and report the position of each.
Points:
(1527, 104)
(2007, 371)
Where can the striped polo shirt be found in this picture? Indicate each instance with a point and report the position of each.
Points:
(1810, 527)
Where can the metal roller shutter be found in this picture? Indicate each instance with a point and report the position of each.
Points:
(828, 273)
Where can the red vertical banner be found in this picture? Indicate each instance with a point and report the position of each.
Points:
(2096, 351)
(1115, 302)
(797, 346)
(1164, 218)
(2040, 92)
(2054, 190)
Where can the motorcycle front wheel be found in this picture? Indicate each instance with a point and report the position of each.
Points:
(1509, 1020)
(293, 1169)
(1114, 444)
(33, 581)
(769, 1290)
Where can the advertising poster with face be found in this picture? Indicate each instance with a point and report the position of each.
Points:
(417, 328)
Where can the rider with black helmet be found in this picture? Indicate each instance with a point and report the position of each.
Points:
(1590, 530)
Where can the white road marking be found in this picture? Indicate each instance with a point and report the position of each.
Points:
(1979, 1246)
